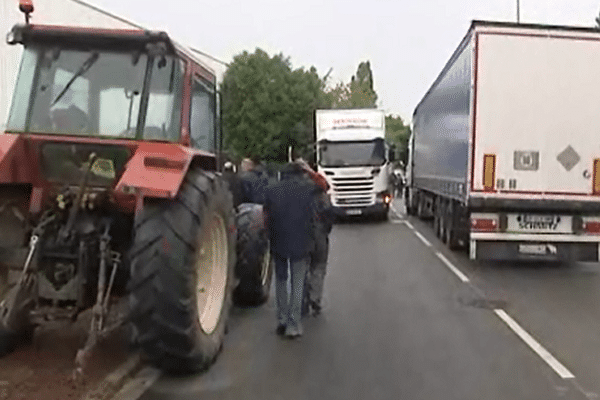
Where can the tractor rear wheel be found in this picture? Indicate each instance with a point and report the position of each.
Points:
(181, 282)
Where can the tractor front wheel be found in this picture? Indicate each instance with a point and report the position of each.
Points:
(182, 275)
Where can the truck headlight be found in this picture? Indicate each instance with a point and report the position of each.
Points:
(384, 197)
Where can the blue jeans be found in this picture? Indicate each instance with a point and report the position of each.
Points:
(289, 305)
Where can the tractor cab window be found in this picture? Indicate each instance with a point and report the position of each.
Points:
(202, 122)
(96, 93)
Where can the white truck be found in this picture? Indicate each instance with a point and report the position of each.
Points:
(505, 151)
(356, 160)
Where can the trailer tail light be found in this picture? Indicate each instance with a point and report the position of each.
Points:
(489, 172)
(485, 223)
(596, 180)
(591, 226)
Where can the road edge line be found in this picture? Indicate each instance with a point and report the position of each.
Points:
(422, 238)
(544, 354)
(452, 267)
(395, 211)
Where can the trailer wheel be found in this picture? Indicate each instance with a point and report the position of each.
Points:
(437, 218)
(450, 234)
(254, 266)
(420, 207)
(182, 275)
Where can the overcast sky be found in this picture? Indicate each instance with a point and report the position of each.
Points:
(407, 41)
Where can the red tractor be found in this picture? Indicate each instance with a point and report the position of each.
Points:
(109, 188)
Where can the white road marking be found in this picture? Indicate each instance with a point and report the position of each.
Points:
(395, 211)
(452, 268)
(398, 221)
(422, 238)
(560, 369)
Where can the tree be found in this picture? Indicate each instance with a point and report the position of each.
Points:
(362, 94)
(268, 106)
(358, 93)
(397, 133)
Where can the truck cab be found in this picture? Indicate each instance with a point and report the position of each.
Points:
(356, 160)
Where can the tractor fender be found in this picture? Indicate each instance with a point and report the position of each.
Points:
(159, 169)
(13, 169)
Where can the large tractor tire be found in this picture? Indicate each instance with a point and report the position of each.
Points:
(8, 338)
(182, 275)
(254, 266)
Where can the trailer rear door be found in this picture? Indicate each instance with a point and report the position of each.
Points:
(537, 111)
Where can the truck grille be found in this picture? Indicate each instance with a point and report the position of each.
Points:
(353, 191)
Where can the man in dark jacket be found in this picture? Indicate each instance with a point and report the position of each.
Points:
(254, 180)
(322, 225)
(289, 210)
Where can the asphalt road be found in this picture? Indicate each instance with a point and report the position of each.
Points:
(405, 318)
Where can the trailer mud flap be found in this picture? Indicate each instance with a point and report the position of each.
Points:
(535, 251)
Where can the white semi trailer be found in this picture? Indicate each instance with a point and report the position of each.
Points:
(505, 151)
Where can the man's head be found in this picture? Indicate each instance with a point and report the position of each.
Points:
(247, 165)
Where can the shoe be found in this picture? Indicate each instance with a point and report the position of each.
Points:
(316, 309)
(280, 329)
(293, 332)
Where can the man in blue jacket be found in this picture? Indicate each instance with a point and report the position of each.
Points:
(289, 211)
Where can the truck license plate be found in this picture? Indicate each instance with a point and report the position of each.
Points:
(354, 212)
(531, 222)
(538, 249)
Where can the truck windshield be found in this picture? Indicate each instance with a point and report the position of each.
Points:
(344, 154)
(95, 93)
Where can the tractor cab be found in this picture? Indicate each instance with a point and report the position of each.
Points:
(107, 93)
(97, 83)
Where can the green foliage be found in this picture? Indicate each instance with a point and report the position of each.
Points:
(397, 133)
(268, 106)
(359, 93)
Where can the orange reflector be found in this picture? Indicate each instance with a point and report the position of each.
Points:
(489, 172)
(596, 180)
(484, 224)
(591, 227)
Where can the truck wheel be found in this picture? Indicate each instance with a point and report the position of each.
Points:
(420, 207)
(254, 266)
(450, 233)
(437, 218)
(181, 281)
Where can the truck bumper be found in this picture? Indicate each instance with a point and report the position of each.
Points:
(375, 209)
(534, 251)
